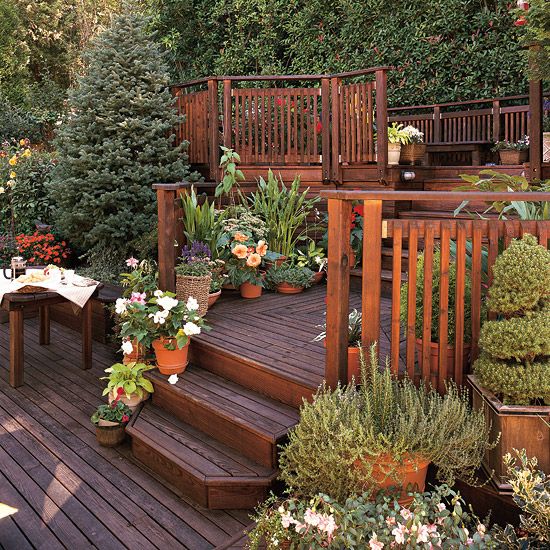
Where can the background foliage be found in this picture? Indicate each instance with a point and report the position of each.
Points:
(443, 50)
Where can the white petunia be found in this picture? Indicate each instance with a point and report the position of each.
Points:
(158, 293)
(127, 347)
(121, 305)
(190, 329)
(192, 304)
(159, 318)
(173, 379)
(167, 303)
(2, 190)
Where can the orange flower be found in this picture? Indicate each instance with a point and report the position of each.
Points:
(261, 249)
(240, 237)
(254, 260)
(240, 251)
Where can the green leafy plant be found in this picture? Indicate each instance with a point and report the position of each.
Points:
(515, 349)
(246, 260)
(141, 279)
(354, 329)
(520, 145)
(396, 134)
(231, 174)
(290, 274)
(117, 411)
(385, 417)
(285, 211)
(129, 378)
(312, 256)
(436, 281)
(434, 519)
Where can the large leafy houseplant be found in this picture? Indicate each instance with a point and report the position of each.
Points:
(285, 211)
(127, 380)
(348, 437)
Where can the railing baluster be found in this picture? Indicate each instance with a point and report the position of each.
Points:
(427, 300)
(411, 298)
(396, 298)
(439, 382)
(459, 299)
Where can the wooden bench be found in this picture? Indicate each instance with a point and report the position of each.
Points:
(474, 148)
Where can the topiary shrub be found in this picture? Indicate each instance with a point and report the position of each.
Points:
(515, 358)
(117, 142)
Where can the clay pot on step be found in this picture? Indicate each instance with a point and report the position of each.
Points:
(213, 298)
(131, 402)
(318, 277)
(250, 291)
(286, 288)
(170, 361)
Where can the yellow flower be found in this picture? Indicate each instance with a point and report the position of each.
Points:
(2, 190)
(22, 142)
(13, 160)
(26, 153)
(12, 174)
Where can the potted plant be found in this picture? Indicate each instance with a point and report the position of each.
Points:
(110, 422)
(217, 282)
(512, 152)
(289, 279)
(313, 257)
(167, 324)
(414, 151)
(381, 436)
(511, 379)
(243, 268)
(435, 519)
(194, 275)
(419, 320)
(127, 384)
(354, 343)
(396, 138)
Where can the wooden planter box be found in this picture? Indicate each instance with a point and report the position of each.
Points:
(520, 427)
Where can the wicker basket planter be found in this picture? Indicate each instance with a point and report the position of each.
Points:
(413, 153)
(197, 287)
(546, 147)
(513, 156)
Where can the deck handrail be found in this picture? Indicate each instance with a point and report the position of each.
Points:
(338, 279)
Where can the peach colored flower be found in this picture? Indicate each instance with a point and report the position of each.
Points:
(254, 260)
(240, 251)
(261, 249)
(240, 237)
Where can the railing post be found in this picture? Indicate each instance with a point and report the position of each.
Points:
(381, 122)
(496, 120)
(372, 272)
(325, 129)
(338, 275)
(213, 129)
(227, 114)
(535, 129)
(335, 122)
(437, 124)
(166, 196)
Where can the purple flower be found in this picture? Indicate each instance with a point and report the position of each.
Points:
(197, 252)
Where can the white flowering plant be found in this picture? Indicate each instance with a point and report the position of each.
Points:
(162, 317)
(436, 519)
(414, 134)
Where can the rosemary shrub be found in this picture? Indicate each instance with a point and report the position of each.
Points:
(385, 417)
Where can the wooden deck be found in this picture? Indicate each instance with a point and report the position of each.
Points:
(69, 491)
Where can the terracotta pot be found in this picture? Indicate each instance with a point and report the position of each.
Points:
(132, 402)
(213, 298)
(110, 436)
(170, 361)
(394, 152)
(434, 357)
(137, 355)
(318, 277)
(413, 153)
(250, 291)
(107, 423)
(403, 477)
(229, 286)
(511, 156)
(286, 288)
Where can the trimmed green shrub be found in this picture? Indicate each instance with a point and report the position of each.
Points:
(436, 281)
(117, 142)
(515, 358)
(292, 275)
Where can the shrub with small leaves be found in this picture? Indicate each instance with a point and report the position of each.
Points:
(515, 358)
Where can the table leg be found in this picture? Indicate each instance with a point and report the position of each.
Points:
(87, 335)
(44, 333)
(17, 357)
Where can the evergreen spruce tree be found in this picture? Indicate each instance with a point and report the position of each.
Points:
(117, 142)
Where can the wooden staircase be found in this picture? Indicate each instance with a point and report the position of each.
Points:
(212, 438)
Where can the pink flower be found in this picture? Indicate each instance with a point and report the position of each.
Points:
(374, 543)
(138, 298)
(390, 521)
(125, 418)
(406, 513)
(399, 533)
(132, 262)
(311, 518)
(423, 534)
(327, 524)
(432, 528)
(441, 507)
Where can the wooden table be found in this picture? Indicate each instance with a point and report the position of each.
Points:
(16, 304)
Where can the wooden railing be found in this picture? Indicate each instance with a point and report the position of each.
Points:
(328, 120)
(469, 238)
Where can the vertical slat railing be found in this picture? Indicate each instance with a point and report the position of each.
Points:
(396, 299)
(445, 245)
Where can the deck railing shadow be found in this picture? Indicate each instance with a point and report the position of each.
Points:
(473, 244)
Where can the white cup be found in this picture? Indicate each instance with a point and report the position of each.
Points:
(69, 276)
(55, 276)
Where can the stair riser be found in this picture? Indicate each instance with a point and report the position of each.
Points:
(246, 374)
(213, 424)
(213, 496)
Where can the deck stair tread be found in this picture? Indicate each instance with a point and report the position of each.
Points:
(268, 418)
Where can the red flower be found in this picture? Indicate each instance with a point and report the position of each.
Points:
(359, 210)
(319, 127)
(120, 391)
(125, 418)
(520, 22)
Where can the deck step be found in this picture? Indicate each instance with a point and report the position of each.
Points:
(245, 420)
(208, 471)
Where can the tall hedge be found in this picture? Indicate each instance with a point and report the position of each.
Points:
(443, 50)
